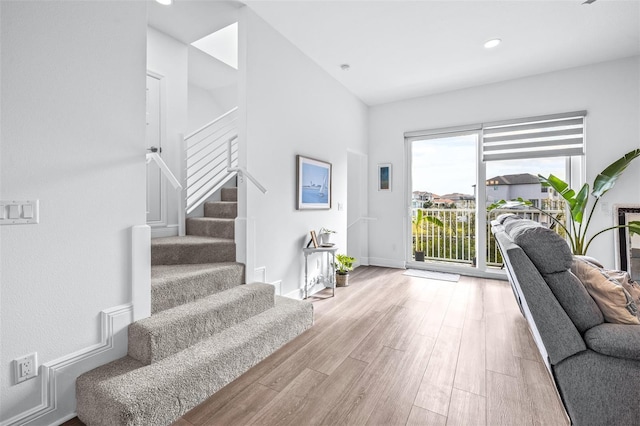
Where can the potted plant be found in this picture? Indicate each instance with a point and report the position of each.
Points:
(417, 225)
(576, 229)
(325, 236)
(343, 265)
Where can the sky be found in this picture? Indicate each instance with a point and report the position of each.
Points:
(448, 165)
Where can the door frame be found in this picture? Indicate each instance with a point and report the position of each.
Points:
(480, 269)
(163, 137)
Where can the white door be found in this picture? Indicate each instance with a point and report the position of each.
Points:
(357, 220)
(155, 181)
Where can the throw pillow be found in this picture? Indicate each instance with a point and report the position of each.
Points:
(610, 294)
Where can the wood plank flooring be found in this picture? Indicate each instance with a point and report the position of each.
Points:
(397, 350)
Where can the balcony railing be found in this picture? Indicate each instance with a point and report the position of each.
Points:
(455, 240)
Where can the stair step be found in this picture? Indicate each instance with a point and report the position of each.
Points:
(221, 209)
(229, 194)
(126, 392)
(173, 285)
(191, 249)
(211, 227)
(173, 330)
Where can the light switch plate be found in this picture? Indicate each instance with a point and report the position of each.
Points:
(19, 212)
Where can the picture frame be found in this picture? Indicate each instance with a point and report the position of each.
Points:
(313, 184)
(384, 177)
(314, 239)
(627, 246)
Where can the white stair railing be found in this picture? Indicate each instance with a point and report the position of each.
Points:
(210, 159)
(175, 183)
(206, 157)
(242, 171)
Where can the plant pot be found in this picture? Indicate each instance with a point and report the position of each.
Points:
(419, 256)
(325, 238)
(342, 279)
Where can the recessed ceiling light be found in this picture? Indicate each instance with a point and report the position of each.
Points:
(492, 43)
(165, 2)
(345, 67)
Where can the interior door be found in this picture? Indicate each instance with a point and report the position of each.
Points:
(155, 183)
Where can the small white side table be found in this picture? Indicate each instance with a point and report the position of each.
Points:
(331, 267)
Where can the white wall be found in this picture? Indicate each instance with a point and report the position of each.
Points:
(202, 108)
(292, 107)
(168, 57)
(207, 105)
(73, 102)
(610, 92)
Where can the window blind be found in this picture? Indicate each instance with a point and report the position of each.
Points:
(547, 136)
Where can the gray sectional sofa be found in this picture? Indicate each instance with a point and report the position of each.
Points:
(595, 365)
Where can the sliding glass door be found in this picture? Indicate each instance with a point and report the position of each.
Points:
(443, 207)
(454, 174)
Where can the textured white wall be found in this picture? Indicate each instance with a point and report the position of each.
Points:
(292, 107)
(610, 92)
(73, 105)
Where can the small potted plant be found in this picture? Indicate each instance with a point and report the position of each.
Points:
(343, 265)
(325, 236)
(419, 251)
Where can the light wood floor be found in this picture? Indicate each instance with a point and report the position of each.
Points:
(397, 350)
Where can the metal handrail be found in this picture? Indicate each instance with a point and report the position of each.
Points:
(241, 170)
(211, 123)
(364, 218)
(155, 157)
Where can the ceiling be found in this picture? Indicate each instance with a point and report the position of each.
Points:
(404, 49)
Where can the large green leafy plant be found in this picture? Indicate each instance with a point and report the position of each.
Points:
(417, 226)
(576, 229)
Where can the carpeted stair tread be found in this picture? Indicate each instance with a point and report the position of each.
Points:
(221, 209)
(229, 194)
(168, 332)
(173, 285)
(158, 394)
(211, 227)
(192, 249)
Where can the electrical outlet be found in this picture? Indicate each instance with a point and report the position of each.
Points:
(26, 367)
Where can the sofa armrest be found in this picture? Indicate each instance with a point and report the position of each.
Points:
(617, 340)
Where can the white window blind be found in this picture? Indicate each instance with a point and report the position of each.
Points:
(547, 136)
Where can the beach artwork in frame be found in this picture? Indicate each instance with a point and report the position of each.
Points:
(384, 177)
(313, 184)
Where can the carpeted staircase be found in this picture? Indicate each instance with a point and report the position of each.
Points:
(206, 329)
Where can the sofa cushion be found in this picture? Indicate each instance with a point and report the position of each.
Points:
(548, 251)
(575, 300)
(504, 217)
(618, 340)
(605, 287)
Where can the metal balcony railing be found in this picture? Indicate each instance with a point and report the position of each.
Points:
(455, 240)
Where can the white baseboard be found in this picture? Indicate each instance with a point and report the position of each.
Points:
(58, 377)
(299, 293)
(164, 231)
(387, 263)
(278, 286)
(260, 274)
(362, 261)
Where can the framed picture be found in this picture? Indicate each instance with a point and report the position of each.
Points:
(627, 247)
(314, 239)
(313, 184)
(384, 177)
